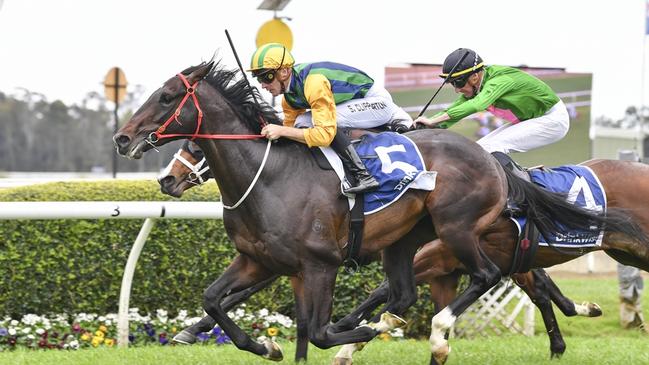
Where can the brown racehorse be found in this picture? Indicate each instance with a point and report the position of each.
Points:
(188, 169)
(294, 222)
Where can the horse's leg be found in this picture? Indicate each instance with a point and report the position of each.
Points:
(302, 345)
(399, 291)
(484, 275)
(319, 281)
(364, 310)
(398, 266)
(381, 294)
(533, 283)
(443, 290)
(567, 306)
(242, 273)
(188, 335)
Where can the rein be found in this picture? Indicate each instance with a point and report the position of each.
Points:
(191, 91)
(254, 181)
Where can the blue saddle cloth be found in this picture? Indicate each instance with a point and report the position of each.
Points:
(395, 161)
(582, 188)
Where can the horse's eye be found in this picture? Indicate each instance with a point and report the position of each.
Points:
(165, 98)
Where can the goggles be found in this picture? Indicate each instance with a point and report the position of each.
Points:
(266, 76)
(459, 82)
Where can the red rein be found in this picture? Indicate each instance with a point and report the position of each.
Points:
(191, 91)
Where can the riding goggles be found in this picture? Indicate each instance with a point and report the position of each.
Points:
(459, 82)
(266, 76)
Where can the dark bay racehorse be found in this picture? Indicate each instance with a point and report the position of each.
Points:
(432, 266)
(294, 221)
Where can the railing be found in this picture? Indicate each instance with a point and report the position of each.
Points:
(150, 211)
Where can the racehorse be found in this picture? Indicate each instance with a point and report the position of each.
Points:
(296, 223)
(188, 169)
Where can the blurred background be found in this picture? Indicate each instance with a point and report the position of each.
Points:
(55, 116)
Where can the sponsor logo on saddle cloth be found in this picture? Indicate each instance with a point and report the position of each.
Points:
(581, 187)
(396, 163)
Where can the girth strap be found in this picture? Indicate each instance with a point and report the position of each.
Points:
(528, 243)
(355, 239)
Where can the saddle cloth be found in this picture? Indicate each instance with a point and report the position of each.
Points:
(394, 160)
(581, 187)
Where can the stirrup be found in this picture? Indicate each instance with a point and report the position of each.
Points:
(362, 188)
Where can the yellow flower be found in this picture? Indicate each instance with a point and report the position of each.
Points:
(109, 342)
(103, 329)
(96, 341)
(384, 336)
(85, 336)
(272, 331)
(174, 329)
(99, 334)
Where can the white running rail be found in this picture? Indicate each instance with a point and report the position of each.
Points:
(150, 211)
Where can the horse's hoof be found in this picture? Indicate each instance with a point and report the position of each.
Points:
(184, 337)
(441, 355)
(594, 310)
(556, 355)
(393, 320)
(342, 361)
(274, 351)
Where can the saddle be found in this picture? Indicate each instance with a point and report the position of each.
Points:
(354, 134)
(352, 261)
(528, 240)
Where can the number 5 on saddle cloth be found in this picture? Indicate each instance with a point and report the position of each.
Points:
(396, 163)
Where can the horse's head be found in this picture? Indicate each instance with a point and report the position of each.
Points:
(187, 169)
(173, 111)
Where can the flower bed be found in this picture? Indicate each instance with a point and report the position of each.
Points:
(91, 330)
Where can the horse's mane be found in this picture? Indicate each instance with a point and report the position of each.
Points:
(235, 90)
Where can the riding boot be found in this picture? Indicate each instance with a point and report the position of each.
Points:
(364, 182)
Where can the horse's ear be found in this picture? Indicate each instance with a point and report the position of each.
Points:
(200, 73)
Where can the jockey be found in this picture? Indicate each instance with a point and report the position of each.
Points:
(319, 97)
(536, 115)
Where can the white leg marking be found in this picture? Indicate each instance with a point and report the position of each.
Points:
(347, 351)
(582, 309)
(439, 325)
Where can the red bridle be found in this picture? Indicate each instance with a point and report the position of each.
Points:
(191, 91)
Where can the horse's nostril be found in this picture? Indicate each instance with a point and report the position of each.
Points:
(122, 140)
(166, 181)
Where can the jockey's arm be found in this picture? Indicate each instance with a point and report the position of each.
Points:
(272, 131)
(290, 113)
(463, 107)
(317, 91)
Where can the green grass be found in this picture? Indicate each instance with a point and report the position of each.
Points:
(588, 340)
(494, 350)
(603, 291)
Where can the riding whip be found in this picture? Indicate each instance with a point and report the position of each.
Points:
(236, 56)
(443, 82)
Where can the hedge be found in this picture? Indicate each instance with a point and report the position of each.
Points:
(72, 266)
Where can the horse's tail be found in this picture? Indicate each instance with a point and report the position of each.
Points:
(553, 214)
